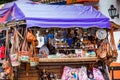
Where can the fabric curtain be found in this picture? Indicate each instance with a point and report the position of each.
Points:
(3, 19)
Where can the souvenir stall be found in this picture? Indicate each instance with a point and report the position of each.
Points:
(77, 37)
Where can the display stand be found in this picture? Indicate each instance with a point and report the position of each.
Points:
(56, 65)
(57, 60)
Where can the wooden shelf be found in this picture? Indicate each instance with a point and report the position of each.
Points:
(65, 49)
(89, 59)
(56, 65)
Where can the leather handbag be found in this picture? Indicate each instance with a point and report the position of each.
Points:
(14, 49)
(24, 54)
(33, 61)
(102, 51)
(30, 37)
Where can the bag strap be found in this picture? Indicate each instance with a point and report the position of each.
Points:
(6, 45)
(16, 41)
(24, 45)
(18, 32)
(34, 49)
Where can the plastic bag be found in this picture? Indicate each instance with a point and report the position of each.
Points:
(97, 74)
(82, 74)
(70, 73)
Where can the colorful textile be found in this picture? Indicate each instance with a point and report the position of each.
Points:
(97, 74)
(70, 73)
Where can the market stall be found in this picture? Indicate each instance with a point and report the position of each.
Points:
(79, 34)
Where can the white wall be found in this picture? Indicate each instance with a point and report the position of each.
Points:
(117, 37)
(104, 6)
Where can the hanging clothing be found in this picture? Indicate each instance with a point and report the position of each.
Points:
(2, 52)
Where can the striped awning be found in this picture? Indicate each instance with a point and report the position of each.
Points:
(80, 1)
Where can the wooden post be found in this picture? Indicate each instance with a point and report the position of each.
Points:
(27, 69)
(7, 55)
(6, 44)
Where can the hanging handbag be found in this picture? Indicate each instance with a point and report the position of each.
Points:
(97, 74)
(14, 49)
(25, 52)
(102, 50)
(35, 42)
(30, 37)
(34, 61)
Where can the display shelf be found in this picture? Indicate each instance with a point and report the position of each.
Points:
(66, 48)
(56, 65)
(68, 59)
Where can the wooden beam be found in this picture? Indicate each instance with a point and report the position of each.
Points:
(115, 26)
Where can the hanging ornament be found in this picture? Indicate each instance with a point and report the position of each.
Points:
(101, 34)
